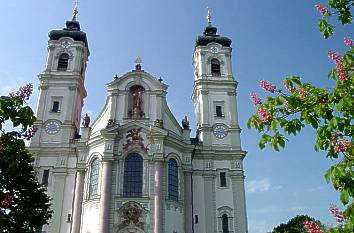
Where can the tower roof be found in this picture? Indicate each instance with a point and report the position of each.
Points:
(210, 35)
(71, 30)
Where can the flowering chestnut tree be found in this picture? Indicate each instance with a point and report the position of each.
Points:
(330, 111)
(24, 205)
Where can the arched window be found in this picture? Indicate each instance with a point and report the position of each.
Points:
(93, 187)
(215, 66)
(133, 176)
(63, 61)
(225, 223)
(172, 180)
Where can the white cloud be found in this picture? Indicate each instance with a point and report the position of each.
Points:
(277, 209)
(260, 186)
(255, 186)
(277, 187)
(315, 189)
(260, 226)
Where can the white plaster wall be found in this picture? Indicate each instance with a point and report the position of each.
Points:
(102, 119)
(174, 221)
(222, 164)
(90, 218)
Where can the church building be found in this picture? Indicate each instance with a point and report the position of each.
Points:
(136, 168)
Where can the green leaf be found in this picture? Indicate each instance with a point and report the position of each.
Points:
(344, 197)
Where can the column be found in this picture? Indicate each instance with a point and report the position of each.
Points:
(105, 196)
(158, 197)
(79, 189)
(188, 215)
(240, 216)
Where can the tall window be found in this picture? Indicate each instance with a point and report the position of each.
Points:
(63, 61)
(218, 111)
(172, 180)
(93, 188)
(55, 106)
(225, 223)
(133, 176)
(222, 179)
(215, 66)
(45, 177)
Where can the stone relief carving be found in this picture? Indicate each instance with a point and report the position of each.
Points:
(132, 215)
(111, 123)
(134, 140)
(158, 123)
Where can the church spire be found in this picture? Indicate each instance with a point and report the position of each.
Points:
(209, 16)
(75, 11)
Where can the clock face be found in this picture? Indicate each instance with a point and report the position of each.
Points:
(214, 49)
(220, 131)
(52, 127)
(65, 44)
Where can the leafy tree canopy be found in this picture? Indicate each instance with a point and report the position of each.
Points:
(295, 225)
(24, 205)
(329, 111)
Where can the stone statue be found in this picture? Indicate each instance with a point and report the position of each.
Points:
(137, 105)
(86, 121)
(185, 122)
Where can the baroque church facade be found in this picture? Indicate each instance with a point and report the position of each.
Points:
(136, 169)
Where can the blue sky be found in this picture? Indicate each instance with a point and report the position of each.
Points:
(271, 39)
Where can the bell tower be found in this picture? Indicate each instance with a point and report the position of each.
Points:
(215, 90)
(62, 89)
(219, 177)
(59, 107)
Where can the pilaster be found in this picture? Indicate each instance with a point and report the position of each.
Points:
(210, 202)
(238, 190)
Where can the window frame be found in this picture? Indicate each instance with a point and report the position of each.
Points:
(63, 63)
(45, 177)
(94, 179)
(223, 218)
(215, 67)
(173, 180)
(133, 176)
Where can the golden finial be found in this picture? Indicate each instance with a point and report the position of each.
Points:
(209, 15)
(75, 11)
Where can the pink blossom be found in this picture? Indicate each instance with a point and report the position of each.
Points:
(338, 60)
(23, 93)
(302, 92)
(322, 9)
(334, 210)
(263, 115)
(6, 202)
(255, 99)
(287, 87)
(340, 145)
(348, 42)
(312, 227)
(30, 133)
(267, 86)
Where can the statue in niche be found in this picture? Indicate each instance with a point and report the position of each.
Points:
(137, 102)
(185, 122)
